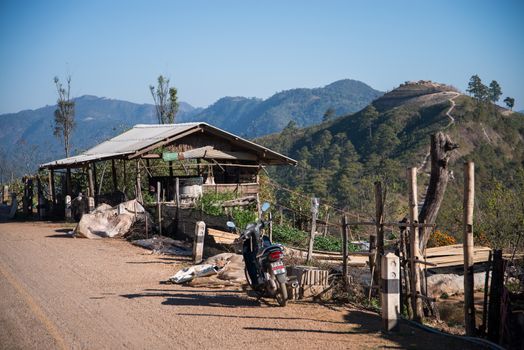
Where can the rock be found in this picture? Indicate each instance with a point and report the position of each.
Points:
(451, 284)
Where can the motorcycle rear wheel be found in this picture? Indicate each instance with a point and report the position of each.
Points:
(281, 295)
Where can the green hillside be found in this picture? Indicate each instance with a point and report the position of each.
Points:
(341, 159)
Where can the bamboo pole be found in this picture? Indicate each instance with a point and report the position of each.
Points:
(416, 302)
(469, 198)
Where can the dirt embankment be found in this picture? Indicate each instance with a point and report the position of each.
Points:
(61, 292)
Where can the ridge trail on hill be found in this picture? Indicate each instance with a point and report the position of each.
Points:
(451, 122)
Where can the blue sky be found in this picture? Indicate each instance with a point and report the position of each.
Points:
(211, 49)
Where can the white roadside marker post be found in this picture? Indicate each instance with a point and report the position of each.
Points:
(390, 292)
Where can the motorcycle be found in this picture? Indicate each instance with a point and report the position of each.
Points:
(264, 266)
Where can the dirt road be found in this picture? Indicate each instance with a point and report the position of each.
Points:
(67, 293)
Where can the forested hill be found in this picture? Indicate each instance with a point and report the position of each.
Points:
(340, 159)
(252, 117)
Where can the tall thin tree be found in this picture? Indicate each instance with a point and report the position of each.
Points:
(64, 114)
(166, 101)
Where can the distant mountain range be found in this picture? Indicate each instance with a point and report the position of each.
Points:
(26, 137)
(252, 117)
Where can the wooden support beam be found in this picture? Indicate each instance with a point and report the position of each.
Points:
(469, 200)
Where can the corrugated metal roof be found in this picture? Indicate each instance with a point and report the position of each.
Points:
(142, 136)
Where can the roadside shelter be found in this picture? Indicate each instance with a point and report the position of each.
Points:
(178, 156)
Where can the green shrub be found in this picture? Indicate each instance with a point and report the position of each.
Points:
(242, 217)
(290, 236)
(210, 202)
(299, 239)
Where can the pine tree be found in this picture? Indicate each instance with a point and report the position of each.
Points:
(495, 91)
(478, 90)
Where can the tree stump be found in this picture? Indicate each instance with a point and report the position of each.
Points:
(441, 150)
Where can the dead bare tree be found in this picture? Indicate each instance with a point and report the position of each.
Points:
(166, 101)
(441, 150)
(64, 113)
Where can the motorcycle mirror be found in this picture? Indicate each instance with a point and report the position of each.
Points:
(230, 224)
(265, 206)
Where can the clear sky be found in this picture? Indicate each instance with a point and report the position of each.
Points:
(210, 49)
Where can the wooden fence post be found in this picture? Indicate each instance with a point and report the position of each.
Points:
(495, 296)
(314, 213)
(270, 226)
(345, 248)
(198, 244)
(469, 196)
(379, 220)
(68, 214)
(416, 302)
(326, 226)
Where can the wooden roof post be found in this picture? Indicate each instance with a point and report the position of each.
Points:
(113, 172)
(52, 186)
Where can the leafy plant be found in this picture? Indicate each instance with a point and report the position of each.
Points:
(242, 217)
(210, 202)
(299, 239)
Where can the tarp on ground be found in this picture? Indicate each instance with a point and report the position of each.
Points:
(106, 221)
